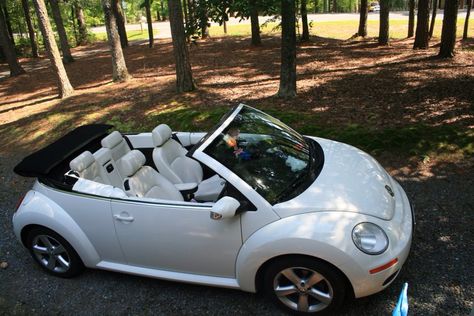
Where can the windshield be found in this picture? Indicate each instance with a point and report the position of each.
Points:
(264, 152)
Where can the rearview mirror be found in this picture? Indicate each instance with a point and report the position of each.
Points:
(224, 208)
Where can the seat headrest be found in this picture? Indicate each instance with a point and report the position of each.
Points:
(161, 134)
(82, 162)
(112, 140)
(131, 162)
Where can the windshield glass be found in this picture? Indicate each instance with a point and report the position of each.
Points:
(264, 152)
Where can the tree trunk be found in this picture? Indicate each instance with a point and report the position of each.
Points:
(120, 21)
(158, 16)
(119, 67)
(9, 49)
(448, 33)
(384, 22)
(7, 22)
(184, 76)
(255, 25)
(433, 17)
(58, 20)
(466, 23)
(364, 11)
(334, 6)
(203, 20)
(163, 16)
(422, 35)
(64, 86)
(304, 21)
(81, 23)
(288, 50)
(186, 19)
(315, 6)
(149, 22)
(31, 31)
(411, 18)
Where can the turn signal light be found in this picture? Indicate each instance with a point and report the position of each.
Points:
(384, 267)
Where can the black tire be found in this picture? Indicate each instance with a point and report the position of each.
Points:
(53, 253)
(332, 285)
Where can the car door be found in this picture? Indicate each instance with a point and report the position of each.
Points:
(177, 237)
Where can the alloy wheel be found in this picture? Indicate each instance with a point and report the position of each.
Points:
(302, 289)
(51, 254)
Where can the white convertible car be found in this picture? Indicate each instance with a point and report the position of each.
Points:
(251, 205)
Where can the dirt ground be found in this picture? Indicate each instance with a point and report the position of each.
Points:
(342, 86)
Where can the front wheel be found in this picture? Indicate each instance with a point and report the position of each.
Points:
(304, 286)
(53, 253)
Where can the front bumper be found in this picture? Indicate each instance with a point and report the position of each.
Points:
(400, 231)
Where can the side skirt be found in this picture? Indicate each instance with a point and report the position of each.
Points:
(170, 275)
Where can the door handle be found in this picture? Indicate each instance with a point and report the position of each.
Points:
(124, 218)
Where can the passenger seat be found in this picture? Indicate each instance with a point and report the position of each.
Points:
(144, 181)
(170, 159)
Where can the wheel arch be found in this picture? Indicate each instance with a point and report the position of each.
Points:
(259, 277)
(41, 211)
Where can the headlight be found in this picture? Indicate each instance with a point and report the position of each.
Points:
(370, 238)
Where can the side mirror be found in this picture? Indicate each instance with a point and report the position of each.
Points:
(224, 208)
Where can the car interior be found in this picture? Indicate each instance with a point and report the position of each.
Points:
(116, 169)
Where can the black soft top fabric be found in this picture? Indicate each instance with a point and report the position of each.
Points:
(40, 163)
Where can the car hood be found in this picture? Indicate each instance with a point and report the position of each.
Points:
(350, 181)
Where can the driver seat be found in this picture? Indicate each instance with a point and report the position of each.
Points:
(171, 161)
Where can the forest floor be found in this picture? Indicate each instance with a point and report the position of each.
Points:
(412, 111)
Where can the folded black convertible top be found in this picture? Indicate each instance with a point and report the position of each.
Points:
(40, 163)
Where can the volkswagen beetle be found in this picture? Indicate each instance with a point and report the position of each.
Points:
(250, 205)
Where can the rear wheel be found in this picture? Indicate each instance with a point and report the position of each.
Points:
(304, 286)
(53, 253)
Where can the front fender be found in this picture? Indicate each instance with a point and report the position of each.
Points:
(323, 235)
(38, 209)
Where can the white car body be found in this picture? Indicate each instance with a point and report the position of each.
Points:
(179, 241)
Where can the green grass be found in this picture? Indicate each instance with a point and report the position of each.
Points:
(131, 35)
(413, 140)
(339, 29)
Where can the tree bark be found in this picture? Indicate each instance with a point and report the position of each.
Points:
(433, 17)
(422, 35)
(184, 76)
(304, 21)
(334, 6)
(58, 20)
(466, 23)
(64, 86)
(9, 49)
(288, 50)
(149, 23)
(119, 67)
(411, 18)
(31, 31)
(120, 21)
(203, 20)
(81, 23)
(448, 33)
(255, 25)
(364, 11)
(384, 22)
(6, 18)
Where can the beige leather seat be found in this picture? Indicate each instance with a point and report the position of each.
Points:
(88, 168)
(171, 161)
(144, 181)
